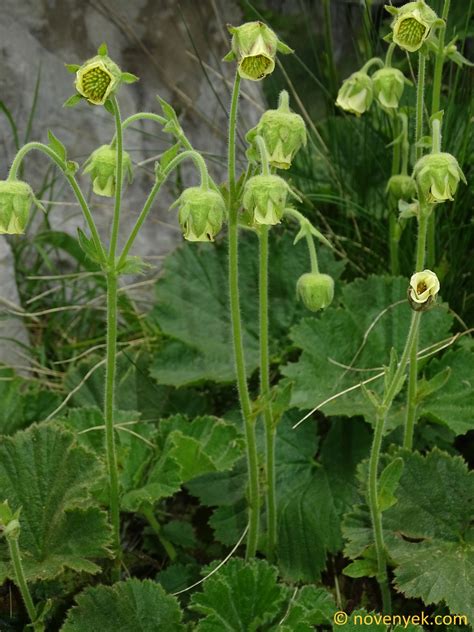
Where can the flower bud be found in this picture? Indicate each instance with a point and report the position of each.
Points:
(97, 79)
(315, 290)
(388, 86)
(265, 198)
(423, 289)
(284, 133)
(438, 176)
(16, 198)
(412, 24)
(356, 93)
(201, 213)
(101, 165)
(401, 187)
(254, 46)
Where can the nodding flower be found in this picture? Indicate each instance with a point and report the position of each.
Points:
(16, 198)
(201, 213)
(412, 24)
(101, 165)
(438, 175)
(315, 290)
(423, 290)
(356, 93)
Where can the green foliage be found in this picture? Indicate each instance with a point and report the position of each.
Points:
(351, 343)
(192, 308)
(131, 605)
(48, 476)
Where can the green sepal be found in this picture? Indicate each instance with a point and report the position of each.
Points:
(390, 9)
(129, 77)
(425, 142)
(133, 265)
(284, 49)
(72, 68)
(109, 107)
(407, 210)
(87, 246)
(388, 483)
(57, 146)
(72, 101)
(102, 50)
(229, 57)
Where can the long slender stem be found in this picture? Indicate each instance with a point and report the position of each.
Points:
(13, 174)
(118, 180)
(394, 228)
(420, 100)
(265, 394)
(249, 421)
(15, 556)
(109, 401)
(439, 62)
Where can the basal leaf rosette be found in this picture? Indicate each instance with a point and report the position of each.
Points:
(438, 175)
(412, 24)
(423, 290)
(265, 199)
(315, 290)
(356, 93)
(102, 166)
(254, 46)
(388, 84)
(16, 198)
(283, 131)
(201, 213)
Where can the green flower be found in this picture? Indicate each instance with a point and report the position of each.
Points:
(201, 213)
(356, 93)
(401, 187)
(423, 290)
(284, 133)
(265, 199)
(438, 176)
(315, 290)
(254, 46)
(388, 84)
(97, 79)
(412, 24)
(16, 198)
(101, 165)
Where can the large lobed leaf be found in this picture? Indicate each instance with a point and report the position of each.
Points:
(192, 307)
(428, 532)
(45, 473)
(348, 344)
(141, 606)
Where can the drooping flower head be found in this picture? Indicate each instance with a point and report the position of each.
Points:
(389, 84)
(401, 187)
(423, 290)
(101, 165)
(438, 175)
(254, 46)
(315, 290)
(412, 24)
(265, 199)
(16, 198)
(356, 93)
(283, 131)
(201, 213)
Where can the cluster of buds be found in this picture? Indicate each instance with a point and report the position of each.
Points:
(412, 24)
(423, 290)
(315, 290)
(283, 132)
(254, 47)
(102, 167)
(16, 198)
(438, 175)
(201, 213)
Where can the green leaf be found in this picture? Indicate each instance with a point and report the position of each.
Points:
(142, 606)
(102, 50)
(388, 483)
(348, 344)
(239, 596)
(128, 77)
(452, 404)
(361, 568)
(88, 247)
(192, 308)
(168, 155)
(72, 101)
(310, 606)
(57, 146)
(108, 105)
(133, 265)
(44, 471)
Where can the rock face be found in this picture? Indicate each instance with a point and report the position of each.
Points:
(175, 49)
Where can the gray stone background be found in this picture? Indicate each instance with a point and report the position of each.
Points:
(168, 45)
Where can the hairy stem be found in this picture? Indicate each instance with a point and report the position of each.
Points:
(118, 181)
(15, 556)
(245, 404)
(394, 228)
